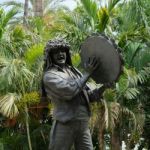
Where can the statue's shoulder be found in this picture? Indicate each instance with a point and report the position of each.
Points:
(52, 70)
(53, 73)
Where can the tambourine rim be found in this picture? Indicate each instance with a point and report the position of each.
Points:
(116, 47)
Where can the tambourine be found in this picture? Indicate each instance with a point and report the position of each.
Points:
(107, 55)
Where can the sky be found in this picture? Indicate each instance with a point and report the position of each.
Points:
(70, 3)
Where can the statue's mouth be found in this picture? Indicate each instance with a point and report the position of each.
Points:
(61, 57)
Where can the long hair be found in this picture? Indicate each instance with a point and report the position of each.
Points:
(53, 45)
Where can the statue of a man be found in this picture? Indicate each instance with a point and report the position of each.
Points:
(66, 87)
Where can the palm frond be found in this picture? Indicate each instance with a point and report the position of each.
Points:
(131, 115)
(114, 114)
(127, 80)
(15, 76)
(103, 17)
(12, 139)
(110, 95)
(5, 19)
(142, 59)
(12, 3)
(69, 19)
(5, 47)
(40, 133)
(7, 105)
(33, 54)
(8, 16)
(131, 93)
(91, 8)
(131, 75)
(144, 74)
(51, 5)
(112, 4)
(131, 51)
(72, 27)
(76, 60)
(34, 60)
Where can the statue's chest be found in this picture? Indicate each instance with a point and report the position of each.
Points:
(68, 74)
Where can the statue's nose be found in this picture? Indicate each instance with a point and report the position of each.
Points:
(60, 52)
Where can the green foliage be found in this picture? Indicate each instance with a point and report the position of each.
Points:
(144, 74)
(34, 59)
(15, 42)
(33, 54)
(136, 54)
(15, 76)
(21, 62)
(72, 26)
(112, 4)
(28, 99)
(91, 8)
(12, 140)
(7, 105)
(21, 41)
(76, 60)
(37, 25)
(40, 137)
(110, 95)
(12, 3)
(131, 93)
(126, 86)
(5, 19)
(103, 16)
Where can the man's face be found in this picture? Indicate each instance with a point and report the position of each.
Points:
(59, 57)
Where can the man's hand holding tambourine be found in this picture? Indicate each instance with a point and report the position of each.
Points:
(91, 65)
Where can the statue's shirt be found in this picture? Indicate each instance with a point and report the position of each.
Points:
(62, 87)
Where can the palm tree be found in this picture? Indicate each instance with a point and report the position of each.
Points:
(100, 14)
(118, 19)
(38, 8)
(16, 78)
(133, 37)
(5, 18)
(103, 19)
(110, 113)
(26, 3)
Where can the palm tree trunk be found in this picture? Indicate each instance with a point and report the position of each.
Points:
(38, 8)
(27, 126)
(101, 127)
(115, 140)
(101, 138)
(25, 12)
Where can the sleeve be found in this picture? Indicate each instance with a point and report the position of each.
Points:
(59, 87)
(96, 94)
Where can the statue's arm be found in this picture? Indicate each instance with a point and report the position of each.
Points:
(63, 88)
(96, 94)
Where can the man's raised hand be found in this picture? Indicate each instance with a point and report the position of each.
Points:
(91, 65)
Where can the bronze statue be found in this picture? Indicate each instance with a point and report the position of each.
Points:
(66, 87)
